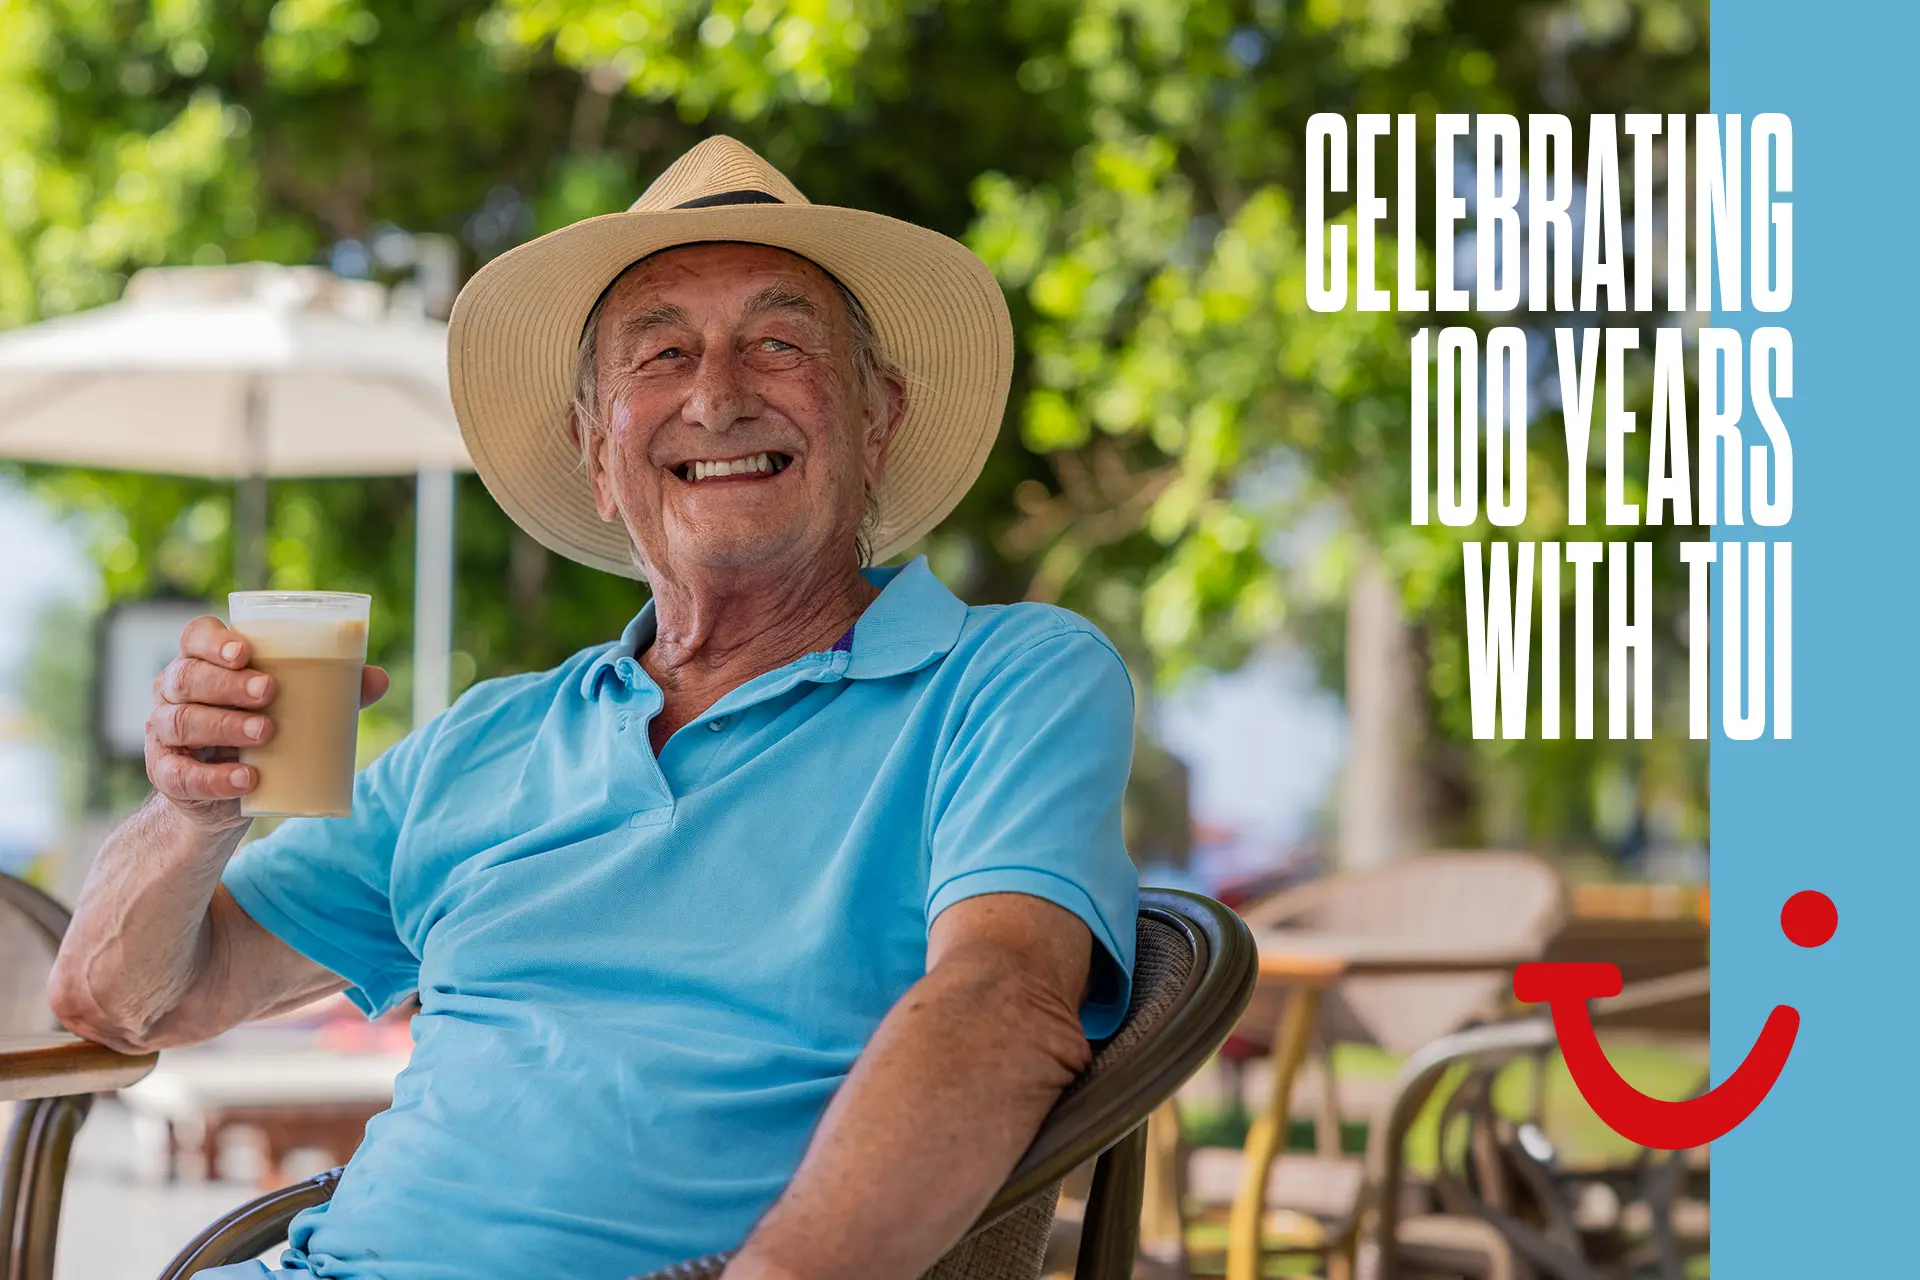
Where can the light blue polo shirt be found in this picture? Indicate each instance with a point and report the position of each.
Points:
(641, 980)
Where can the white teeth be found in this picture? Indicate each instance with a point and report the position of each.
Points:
(758, 463)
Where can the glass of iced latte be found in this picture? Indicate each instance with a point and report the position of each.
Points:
(313, 644)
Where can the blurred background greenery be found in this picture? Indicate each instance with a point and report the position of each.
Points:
(1191, 458)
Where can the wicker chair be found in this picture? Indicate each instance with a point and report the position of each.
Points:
(1193, 975)
(1482, 898)
(1479, 897)
(41, 1137)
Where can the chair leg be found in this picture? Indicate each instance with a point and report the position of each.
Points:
(50, 1127)
(1537, 1088)
(1110, 1235)
(1245, 1243)
(1163, 1235)
(13, 1179)
(1327, 1139)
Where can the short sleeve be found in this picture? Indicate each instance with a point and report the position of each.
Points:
(1028, 799)
(323, 885)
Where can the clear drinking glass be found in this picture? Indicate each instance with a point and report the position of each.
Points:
(314, 645)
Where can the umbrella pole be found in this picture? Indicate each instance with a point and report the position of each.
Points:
(432, 594)
(250, 497)
(250, 533)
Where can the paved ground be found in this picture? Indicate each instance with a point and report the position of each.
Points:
(121, 1220)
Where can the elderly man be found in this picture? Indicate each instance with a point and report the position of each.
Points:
(776, 925)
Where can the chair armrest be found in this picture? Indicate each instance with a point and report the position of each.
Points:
(254, 1227)
(53, 1066)
(1419, 1077)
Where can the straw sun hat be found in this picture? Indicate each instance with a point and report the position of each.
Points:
(517, 325)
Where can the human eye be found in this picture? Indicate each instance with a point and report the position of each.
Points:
(776, 345)
(664, 357)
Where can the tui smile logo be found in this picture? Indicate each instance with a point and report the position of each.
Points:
(1809, 919)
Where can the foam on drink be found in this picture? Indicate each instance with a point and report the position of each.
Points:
(314, 645)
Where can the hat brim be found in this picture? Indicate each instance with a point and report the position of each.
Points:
(516, 327)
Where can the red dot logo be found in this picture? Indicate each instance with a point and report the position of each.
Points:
(1809, 918)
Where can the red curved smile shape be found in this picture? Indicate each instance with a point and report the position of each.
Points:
(1666, 1126)
(1808, 919)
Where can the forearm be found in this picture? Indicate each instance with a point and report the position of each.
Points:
(947, 1096)
(158, 954)
(142, 940)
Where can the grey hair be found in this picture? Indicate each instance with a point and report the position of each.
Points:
(873, 369)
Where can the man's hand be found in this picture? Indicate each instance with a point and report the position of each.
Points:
(206, 704)
(949, 1092)
(158, 953)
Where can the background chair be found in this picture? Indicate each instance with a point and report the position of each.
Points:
(40, 1139)
(1395, 1243)
(1486, 901)
(1570, 1220)
(1193, 974)
(1479, 898)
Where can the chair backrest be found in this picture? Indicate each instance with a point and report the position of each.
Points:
(1194, 971)
(1492, 899)
(31, 926)
(40, 1133)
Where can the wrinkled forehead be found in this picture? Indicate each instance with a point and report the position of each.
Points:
(723, 279)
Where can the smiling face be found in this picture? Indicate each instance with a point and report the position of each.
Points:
(733, 427)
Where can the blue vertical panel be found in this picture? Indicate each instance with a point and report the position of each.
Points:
(1820, 1181)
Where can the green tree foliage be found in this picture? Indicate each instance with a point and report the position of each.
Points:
(1192, 459)
(1178, 376)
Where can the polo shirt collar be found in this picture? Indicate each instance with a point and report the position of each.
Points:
(914, 621)
(621, 661)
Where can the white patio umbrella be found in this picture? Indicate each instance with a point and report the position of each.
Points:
(245, 373)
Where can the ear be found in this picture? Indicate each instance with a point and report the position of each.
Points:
(595, 452)
(883, 420)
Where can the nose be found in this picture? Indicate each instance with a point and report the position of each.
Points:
(720, 396)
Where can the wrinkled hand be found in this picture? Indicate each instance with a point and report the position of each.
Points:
(206, 705)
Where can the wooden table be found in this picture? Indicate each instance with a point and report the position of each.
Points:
(53, 1066)
(1306, 963)
(291, 1097)
(52, 1079)
(1644, 945)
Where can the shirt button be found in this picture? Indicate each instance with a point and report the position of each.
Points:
(716, 726)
